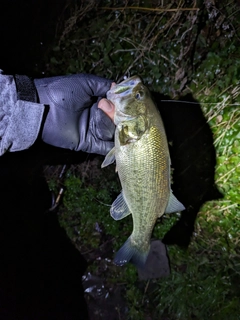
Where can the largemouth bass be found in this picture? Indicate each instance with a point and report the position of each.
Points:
(143, 164)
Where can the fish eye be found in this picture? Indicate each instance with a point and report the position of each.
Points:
(139, 95)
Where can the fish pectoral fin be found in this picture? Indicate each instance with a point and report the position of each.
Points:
(173, 204)
(109, 159)
(119, 208)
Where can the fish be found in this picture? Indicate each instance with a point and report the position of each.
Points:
(143, 164)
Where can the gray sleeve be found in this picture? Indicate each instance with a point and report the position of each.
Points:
(20, 121)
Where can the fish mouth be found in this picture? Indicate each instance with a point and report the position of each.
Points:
(125, 87)
(132, 81)
(119, 91)
(122, 89)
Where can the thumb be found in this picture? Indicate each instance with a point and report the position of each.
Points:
(107, 107)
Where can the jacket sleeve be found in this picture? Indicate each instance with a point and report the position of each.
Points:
(20, 120)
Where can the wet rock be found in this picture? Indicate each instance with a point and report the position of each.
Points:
(157, 264)
(104, 301)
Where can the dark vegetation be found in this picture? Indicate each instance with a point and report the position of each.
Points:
(189, 52)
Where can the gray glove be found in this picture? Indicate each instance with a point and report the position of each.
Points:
(73, 120)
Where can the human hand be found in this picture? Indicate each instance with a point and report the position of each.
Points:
(75, 120)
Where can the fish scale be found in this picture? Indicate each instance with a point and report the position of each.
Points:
(144, 170)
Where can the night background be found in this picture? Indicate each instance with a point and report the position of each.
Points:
(185, 51)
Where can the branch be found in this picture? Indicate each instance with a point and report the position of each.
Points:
(150, 9)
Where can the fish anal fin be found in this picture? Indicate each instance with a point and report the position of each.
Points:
(109, 159)
(119, 208)
(173, 204)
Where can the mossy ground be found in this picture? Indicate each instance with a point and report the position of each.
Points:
(192, 47)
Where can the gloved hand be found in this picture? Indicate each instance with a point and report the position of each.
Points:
(74, 120)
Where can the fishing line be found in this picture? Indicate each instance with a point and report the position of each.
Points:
(181, 101)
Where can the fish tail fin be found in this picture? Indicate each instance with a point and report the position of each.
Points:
(130, 253)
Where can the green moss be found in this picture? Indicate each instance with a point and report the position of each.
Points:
(87, 208)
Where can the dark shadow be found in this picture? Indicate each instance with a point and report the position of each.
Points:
(28, 31)
(193, 158)
(40, 270)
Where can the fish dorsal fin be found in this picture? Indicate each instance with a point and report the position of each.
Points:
(119, 208)
(109, 159)
(173, 204)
